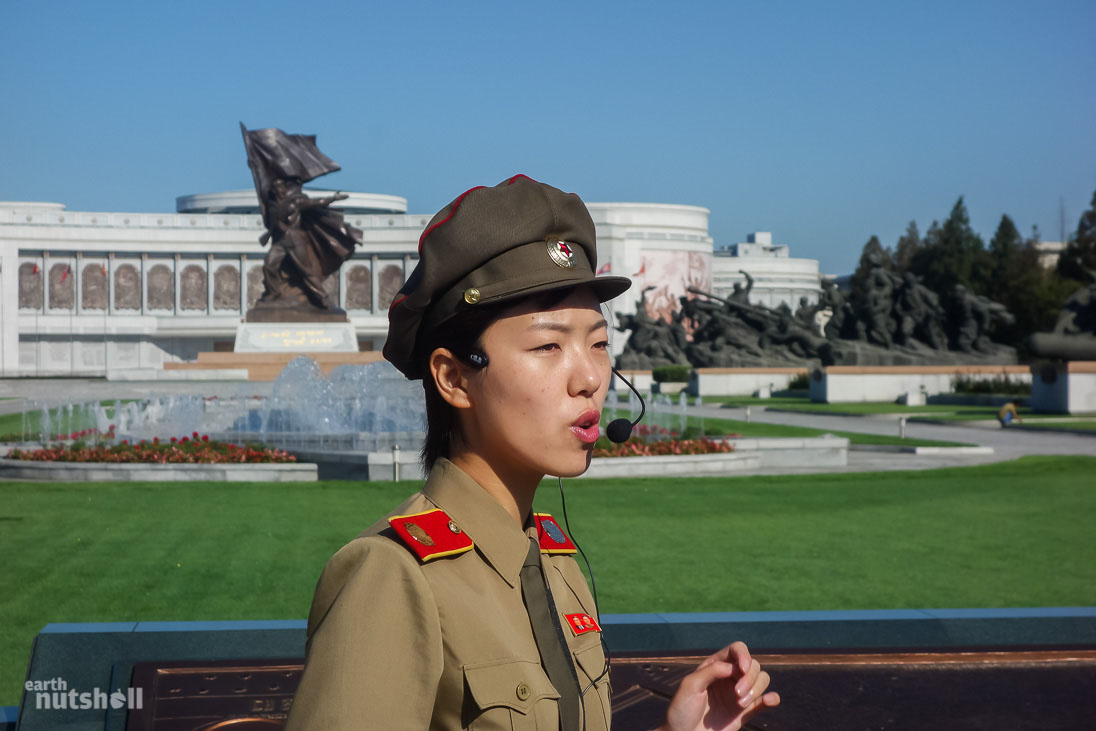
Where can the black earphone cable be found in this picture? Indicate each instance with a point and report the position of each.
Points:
(593, 585)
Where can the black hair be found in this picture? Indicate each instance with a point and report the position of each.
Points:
(461, 335)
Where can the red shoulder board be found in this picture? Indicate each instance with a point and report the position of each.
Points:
(551, 536)
(431, 535)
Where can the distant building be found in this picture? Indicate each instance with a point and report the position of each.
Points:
(778, 278)
(86, 293)
(1049, 251)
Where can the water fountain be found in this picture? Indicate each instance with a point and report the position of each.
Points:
(356, 408)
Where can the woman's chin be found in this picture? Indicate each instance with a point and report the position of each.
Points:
(573, 467)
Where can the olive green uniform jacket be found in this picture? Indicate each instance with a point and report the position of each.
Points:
(395, 642)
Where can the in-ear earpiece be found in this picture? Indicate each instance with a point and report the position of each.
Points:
(477, 358)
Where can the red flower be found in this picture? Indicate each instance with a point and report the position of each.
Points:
(195, 434)
(156, 440)
(186, 439)
(125, 441)
(205, 437)
(173, 440)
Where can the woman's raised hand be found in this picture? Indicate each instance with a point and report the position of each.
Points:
(721, 694)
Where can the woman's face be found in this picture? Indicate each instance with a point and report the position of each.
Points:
(535, 408)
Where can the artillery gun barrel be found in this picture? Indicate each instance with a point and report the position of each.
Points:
(735, 305)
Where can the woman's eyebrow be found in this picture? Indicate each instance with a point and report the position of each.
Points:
(560, 327)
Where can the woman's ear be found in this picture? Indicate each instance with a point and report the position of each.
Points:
(450, 377)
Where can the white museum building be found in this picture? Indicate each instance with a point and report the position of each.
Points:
(87, 293)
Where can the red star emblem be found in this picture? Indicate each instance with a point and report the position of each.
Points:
(565, 248)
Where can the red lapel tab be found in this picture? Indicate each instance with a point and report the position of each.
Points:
(431, 534)
(551, 536)
(581, 623)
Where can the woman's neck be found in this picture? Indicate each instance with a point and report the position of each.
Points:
(513, 491)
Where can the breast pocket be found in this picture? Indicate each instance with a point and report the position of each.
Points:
(596, 700)
(510, 694)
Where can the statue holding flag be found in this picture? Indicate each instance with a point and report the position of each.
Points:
(309, 240)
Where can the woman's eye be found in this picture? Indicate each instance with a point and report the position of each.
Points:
(601, 345)
(547, 347)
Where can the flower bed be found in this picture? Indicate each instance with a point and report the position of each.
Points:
(196, 449)
(647, 441)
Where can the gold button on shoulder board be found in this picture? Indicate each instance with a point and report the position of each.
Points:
(471, 295)
(522, 692)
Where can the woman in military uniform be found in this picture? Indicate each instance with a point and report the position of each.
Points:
(463, 609)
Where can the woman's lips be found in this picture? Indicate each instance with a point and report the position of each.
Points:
(586, 428)
(587, 435)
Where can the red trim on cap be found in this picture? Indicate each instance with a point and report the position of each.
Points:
(519, 175)
(396, 301)
(456, 205)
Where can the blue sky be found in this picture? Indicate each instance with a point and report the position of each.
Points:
(824, 123)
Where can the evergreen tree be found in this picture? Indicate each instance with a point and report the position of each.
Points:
(953, 254)
(908, 245)
(1004, 250)
(1078, 261)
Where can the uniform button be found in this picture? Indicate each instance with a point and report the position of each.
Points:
(471, 295)
(523, 691)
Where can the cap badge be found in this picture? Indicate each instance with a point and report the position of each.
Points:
(562, 253)
(471, 295)
(419, 534)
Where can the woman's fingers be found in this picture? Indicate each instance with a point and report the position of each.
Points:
(747, 681)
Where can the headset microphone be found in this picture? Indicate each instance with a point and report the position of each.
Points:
(619, 430)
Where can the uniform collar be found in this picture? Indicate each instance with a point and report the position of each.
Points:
(481, 517)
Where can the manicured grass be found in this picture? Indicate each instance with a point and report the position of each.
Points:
(13, 424)
(873, 407)
(1014, 534)
(758, 429)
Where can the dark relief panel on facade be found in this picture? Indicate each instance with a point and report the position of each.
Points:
(127, 288)
(390, 281)
(30, 286)
(254, 285)
(93, 287)
(226, 288)
(193, 291)
(359, 288)
(161, 288)
(62, 287)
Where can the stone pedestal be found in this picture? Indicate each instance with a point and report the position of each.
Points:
(1068, 388)
(296, 337)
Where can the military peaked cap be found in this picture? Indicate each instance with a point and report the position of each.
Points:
(493, 245)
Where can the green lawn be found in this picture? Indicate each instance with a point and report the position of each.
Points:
(757, 429)
(1014, 534)
(12, 425)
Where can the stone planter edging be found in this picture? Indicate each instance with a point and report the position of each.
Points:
(16, 469)
(675, 465)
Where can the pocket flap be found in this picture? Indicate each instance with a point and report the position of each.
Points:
(591, 660)
(516, 684)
